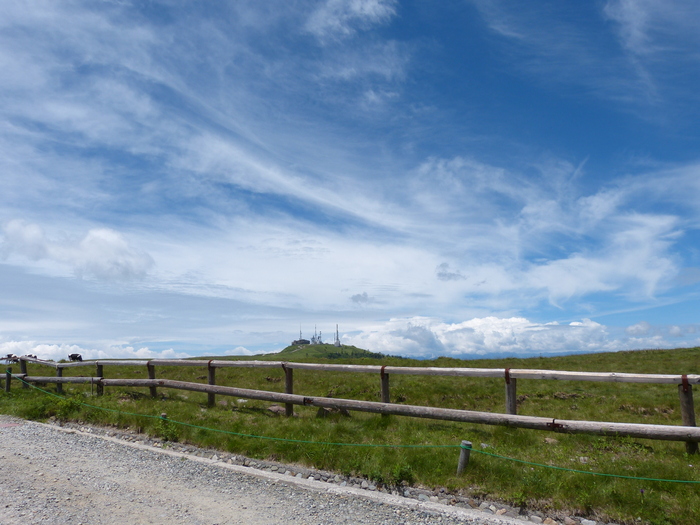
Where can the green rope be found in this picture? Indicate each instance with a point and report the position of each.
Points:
(288, 440)
(592, 473)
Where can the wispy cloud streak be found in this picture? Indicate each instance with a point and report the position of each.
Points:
(328, 159)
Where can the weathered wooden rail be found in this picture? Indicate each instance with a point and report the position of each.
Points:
(688, 432)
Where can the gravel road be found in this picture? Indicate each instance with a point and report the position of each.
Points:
(54, 475)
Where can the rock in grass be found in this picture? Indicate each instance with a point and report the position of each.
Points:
(325, 412)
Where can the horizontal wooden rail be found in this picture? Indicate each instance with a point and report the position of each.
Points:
(561, 375)
(610, 377)
(60, 380)
(634, 430)
(510, 376)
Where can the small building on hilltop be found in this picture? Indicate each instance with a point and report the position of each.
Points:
(301, 340)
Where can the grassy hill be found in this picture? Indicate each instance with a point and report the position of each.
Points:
(605, 499)
(325, 351)
(308, 353)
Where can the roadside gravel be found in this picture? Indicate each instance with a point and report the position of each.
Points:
(81, 475)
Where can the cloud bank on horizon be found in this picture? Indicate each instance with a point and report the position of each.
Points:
(481, 178)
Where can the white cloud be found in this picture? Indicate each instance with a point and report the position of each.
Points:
(336, 19)
(56, 352)
(646, 26)
(541, 236)
(633, 17)
(641, 328)
(385, 61)
(635, 255)
(424, 337)
(239, 350)
(103, 253)
(24, 239)
(657, 38)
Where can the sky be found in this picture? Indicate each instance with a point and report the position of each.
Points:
(460, 178)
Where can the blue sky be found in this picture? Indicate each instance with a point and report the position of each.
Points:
(464, 178)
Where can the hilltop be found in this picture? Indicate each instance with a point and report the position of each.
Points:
(325, 351)
(296, 352)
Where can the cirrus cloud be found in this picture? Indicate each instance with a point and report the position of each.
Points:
(337, 19)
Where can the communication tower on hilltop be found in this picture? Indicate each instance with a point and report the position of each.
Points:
(337, 337)
(317, 338)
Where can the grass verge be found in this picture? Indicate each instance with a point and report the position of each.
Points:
(621, 500)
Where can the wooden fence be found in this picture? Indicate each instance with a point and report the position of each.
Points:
(688, 432)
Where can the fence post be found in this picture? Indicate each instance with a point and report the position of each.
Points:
(464, 451)
(685, 393)
(511, 398)
(385, 386)
(8, 378)
(59, 386)
(100, 386)
(288, 388)
(23, 370)
(152, 375)
(385, 397)
(211, 397)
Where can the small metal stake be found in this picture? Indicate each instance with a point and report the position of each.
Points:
(464, 452)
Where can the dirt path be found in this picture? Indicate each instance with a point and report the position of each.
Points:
(56, 476)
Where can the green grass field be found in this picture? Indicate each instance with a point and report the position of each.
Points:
(602, 498)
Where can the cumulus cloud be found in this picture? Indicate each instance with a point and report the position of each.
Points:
(429, 337)
(56, 352)
(675, 331)
(103, 253)
(24, 239)
(638, 329)
(239, 350)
